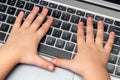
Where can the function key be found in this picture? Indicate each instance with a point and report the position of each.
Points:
(80, 13)
(65, 16)
(62, 8)
(99, 18)
(20, 3)
(107, 20)
(3, 8)
(11, 2)
(2, 36)
(117, 23)
(52, 5)
(29, 6)
(35, 1)
(4, 27)
(3, 1)
(44, 3)
(70, 10)
(89, 15)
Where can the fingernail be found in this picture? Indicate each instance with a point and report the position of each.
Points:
(50, 68)
(53, 61)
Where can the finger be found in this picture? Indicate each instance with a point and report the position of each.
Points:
(100, 34)
(90, 34)
(109, 43)
(43, 30)
(64, 63)
(30, 18)
(80, 34)
(18, 20)
(38, 21)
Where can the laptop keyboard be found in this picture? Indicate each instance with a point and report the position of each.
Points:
(60, 40)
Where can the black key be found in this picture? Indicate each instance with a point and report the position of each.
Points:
(110, 21)
(106, 36)
(115, 29)
(80, 13)
(43, 39)
(105, 27)
(117, 40)
(35, 1)
(50, 41)
(11, 2)
(3, 17)
(75, 50)
(49, 11)
(57, 33)
(40, 8)
(2, 36)
(4, 27)
(69, 46)
(26, 14)
(45, 3)
(11, 19)
(66, 35)
(3, 8)
(11, 10)
(70, 10)
(117, 72)
(29, 6)
(99, 18)
(118, 62)
(50, 31)
(60, 43)
(84, 20)
(112, 59)
(115, 50)
(75, 19)
(95, 24)
(117, 23)
(65, 16)
(3, 1)
(74, 28)
(62, 8)
(74, 38)
(89, 15)
(18, 11)
(52, 5)
(110, 68)
(54, 52)
(20, 3)
(66, 26)
(56, 14)
(56, 23)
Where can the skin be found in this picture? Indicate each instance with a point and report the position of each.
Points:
(91, 56)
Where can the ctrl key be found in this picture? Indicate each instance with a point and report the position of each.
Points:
(2, 36)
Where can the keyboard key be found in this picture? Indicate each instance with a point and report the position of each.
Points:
(115, 50)
(112, 59)
(11, 19)
(57, 33)
(3, 1)
(119, 61)
(56, 14)
(56, 23)
(2, 36)
(115, 29)
(66, 26)
(75, 50)
(110, 21)
(49, 11)
(117, 23)
(29, 6)
(11, 10)
(52, 5)
(50, 41)
(62, 8)
(60, 43)
(18, 11)
(74, 28)
(43, 39)
(3, 17)
(117, 40)
(65, 16)
(66, 35)
(4, 27)
(50, 31)
(54, 52)
(75, 19)
(35, 1)
(99, 18)
(70, 10)
(3, 8)
(11, 2)
(89, 15)
(44, 3)
(26, 14)
(105, 27)
(106, 36)
(74, 38)
(84, 20)
(110, 68)
(20, 3)
(69, 46)
(80, 13)
(117, 72)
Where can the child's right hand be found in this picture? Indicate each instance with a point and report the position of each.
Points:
(92, 57)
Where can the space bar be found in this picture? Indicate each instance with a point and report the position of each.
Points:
(54, 51)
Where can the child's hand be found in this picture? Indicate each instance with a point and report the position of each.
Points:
(24, 38)
(91, 55)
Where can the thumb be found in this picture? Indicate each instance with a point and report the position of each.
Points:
(64, 63)
(39, 61)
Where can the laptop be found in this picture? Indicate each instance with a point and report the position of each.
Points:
(60, 41)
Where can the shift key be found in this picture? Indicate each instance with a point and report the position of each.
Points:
(54, 51)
